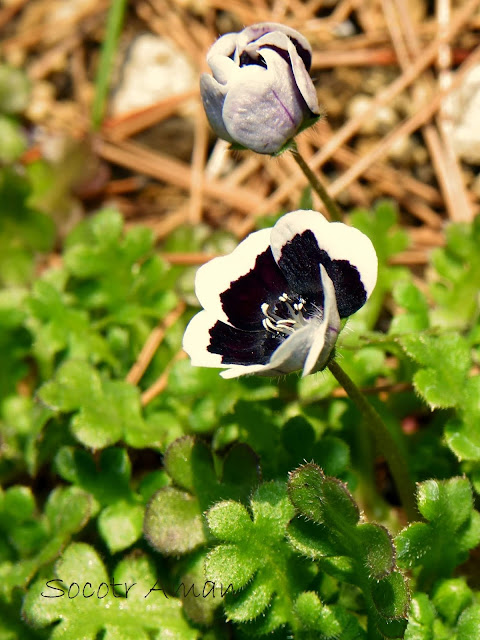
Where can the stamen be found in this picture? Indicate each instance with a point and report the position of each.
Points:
(279, 324)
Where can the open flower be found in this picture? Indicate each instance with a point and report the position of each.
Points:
(261, 93)
(274, 304)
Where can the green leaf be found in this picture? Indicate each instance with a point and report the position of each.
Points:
(337, 531)
(388, 239)
(120, 525)
(59, 328)
(117, 274)
(106, 410)
(14, 141)
(445, 361)
(457, 266)
(451, 597)
(327, 622)
(415, 318)
(469, 623)
(421, 618)
(107, 479)
(107, 609)
(37, 540)
(453, 528)
(461, 432)
(23, 230)
(174, 521)
(14, 89)
(255, 557)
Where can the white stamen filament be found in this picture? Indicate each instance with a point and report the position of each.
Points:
(276, 324)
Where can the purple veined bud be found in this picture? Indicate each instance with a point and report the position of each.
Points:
(261, 94)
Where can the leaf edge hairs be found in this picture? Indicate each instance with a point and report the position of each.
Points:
(274, 305)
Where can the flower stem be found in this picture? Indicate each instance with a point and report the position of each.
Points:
(329, 203)
(383, 437)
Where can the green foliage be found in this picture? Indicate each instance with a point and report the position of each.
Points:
(123, 607)
(452, 529)
(23, 230)
(31, 540)
(120, 510)
(362, 553)
(14, 90)
(104, 411)
(457, 273)
(174, 523)
(444, 364)
(416, 316)
(257, 560)
(388, 239)
(93, 469)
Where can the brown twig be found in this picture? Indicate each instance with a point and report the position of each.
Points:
(425, 59)
(404, 129)
(161, 166)
(441, 151)
(121, 127)
(161, 383)
(9, 12)
(152, 343)
(199, 155)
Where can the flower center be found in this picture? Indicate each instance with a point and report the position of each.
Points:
(285, 316)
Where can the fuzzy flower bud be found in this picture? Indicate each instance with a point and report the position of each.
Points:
(261, 94)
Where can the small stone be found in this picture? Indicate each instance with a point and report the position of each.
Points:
(380, 123)
(372, 18)
(67, 9)
(42, 101)
(463, 106)
(402, 150)
(154, 70)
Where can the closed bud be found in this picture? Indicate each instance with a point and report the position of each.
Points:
(261, 94)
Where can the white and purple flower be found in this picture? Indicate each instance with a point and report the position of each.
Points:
(261, 94)
(274, 305)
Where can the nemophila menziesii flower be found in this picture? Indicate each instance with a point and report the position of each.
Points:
(261, 93)
(274, 305)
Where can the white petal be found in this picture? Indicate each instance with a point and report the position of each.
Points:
(216, 276)
(290, 356)
(224, 69)
(262, 110)
(280, 40)
(213, 97)
(224, 46)
(303, 80)
(327, 333)
(340, 241)
(295, 223)
(347, 243)
(238, 370)
(262, 29)
(197, 338)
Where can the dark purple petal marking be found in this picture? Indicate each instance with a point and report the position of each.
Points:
(299, 261)
(246, 59)
(243, 300)
(242, 347)
(287, 112)
(305, 55)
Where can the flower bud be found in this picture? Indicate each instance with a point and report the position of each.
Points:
(261, 94)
